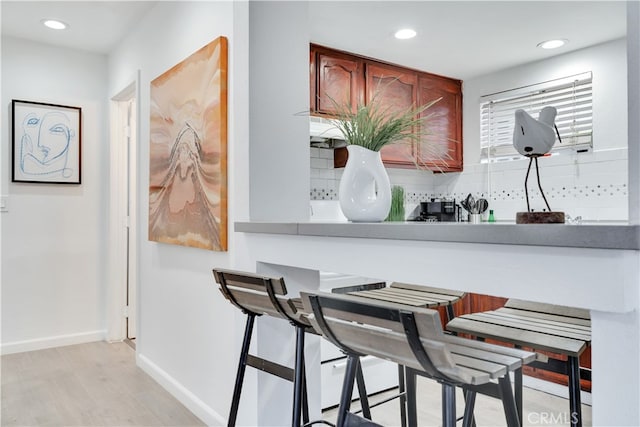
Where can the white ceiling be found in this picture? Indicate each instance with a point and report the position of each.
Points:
(459, 39)
(463, 39)
(95, 26)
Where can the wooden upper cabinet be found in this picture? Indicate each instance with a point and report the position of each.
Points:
(394, 88)
(339, 77)
(440, 148)
(353, 79)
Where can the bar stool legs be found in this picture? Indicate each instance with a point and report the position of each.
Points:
(449, 402)
(362, 391)
(575, 407)
(517, 384)
(402, 395)
(297, 375)
(353, 364)
(242, 365)
(448, 405)
(468, 419)
(508, 401)
(298, 380)
(410, 395)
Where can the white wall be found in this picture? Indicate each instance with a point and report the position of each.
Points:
(279, 91)
(633, 81)
(188, 337)
(53, 235)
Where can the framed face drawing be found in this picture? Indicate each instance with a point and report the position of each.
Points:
(46, 143)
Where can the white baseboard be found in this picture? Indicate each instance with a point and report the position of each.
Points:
(553, 388)
(184, 396)
(50, 342)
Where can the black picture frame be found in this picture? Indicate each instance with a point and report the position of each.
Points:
(46, 143)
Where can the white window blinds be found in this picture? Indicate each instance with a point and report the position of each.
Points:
(571, 96)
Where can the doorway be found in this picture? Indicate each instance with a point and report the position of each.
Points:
(123, 242)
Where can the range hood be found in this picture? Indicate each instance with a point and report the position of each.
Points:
(324, 134)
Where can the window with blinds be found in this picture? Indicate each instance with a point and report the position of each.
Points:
(571, 96)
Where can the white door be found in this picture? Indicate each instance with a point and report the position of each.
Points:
(123, 213)
(131, 205)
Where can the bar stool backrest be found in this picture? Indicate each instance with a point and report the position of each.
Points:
(408, 336)
(255, 294)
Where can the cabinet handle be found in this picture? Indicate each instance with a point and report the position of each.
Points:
(363, 360)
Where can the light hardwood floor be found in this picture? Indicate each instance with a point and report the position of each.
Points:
(95, 384)
(99, 384)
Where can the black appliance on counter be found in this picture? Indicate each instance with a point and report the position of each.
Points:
(438, 211)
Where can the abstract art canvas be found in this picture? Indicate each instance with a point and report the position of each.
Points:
(188, 151)
(46, 143)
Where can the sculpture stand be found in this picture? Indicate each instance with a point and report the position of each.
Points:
(530, 217)
(540, 218)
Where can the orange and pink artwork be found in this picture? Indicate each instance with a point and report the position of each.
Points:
(188, 151)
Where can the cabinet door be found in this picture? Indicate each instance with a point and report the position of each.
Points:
(339, 77)
(397, 89)
(313, 82)
(440, 148)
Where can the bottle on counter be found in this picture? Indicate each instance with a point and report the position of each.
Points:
(491, 217)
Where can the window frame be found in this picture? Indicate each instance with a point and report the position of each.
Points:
(571, 95)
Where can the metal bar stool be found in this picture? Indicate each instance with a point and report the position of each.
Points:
(413, 337)
(558, 329)
(413, 296)
(256, 295)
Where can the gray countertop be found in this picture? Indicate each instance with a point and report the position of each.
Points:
(559, 235)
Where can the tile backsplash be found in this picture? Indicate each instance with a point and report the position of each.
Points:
(591, 185)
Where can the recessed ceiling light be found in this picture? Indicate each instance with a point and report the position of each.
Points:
(553, 44)
(54, 24)
(405, 33)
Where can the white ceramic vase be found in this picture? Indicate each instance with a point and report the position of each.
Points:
(365, 191)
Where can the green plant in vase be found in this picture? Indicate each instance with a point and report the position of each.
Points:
(365, 190)
(374, 125)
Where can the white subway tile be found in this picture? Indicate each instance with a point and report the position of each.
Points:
(318, 183)
(326, 173)
(326, 153)
(317, 163)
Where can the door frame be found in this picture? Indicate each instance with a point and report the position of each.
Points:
(123, 173)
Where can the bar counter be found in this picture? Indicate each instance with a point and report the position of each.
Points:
(573, 236)
(596, 267)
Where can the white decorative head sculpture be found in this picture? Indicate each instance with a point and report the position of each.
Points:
(534, 138)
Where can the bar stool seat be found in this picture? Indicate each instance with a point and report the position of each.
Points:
(413, 337)
(413, 295)
(558, 329)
